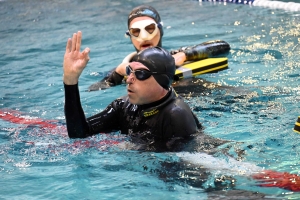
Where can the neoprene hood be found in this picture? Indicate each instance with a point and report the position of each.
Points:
(158, 60)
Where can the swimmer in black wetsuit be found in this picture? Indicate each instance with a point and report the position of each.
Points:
(152, 114)
(145, 29)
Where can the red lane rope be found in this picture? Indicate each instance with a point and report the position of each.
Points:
(267, 178)
(17, 118)
(285, 180)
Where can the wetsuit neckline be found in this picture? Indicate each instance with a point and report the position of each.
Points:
(156, 103)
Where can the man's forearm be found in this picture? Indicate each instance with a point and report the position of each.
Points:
(77, 125)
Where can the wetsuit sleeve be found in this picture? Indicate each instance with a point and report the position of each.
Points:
(114, 78)
(108, 120)
(78, 125)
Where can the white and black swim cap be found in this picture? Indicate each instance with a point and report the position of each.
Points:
(156, 59)
(148, 11)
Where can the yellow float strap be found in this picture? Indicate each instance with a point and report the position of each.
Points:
(209, 65)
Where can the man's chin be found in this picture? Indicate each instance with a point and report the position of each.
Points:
(132, 100)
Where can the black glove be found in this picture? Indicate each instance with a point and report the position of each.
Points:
(114, 79)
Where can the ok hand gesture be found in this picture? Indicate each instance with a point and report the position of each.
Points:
(74, 60)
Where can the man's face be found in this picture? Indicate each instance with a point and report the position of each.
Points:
(143, 91)
(142, 41)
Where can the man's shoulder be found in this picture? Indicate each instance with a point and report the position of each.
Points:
(176, 110)
(177, 103)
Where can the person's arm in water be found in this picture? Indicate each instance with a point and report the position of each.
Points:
(116, 75)
(209, 49)
(179, 58)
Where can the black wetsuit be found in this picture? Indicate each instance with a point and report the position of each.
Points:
(165, 125)
(161, 125)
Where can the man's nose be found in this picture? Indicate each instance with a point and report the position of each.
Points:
(130, 78)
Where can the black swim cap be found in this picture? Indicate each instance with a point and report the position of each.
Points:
(147, 11)
(158, 60)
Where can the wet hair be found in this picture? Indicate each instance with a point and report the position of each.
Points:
(148, 11)
(156, 59)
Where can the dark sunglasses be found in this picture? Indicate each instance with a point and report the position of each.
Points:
(140, 74)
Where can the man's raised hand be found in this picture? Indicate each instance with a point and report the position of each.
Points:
(74, 60)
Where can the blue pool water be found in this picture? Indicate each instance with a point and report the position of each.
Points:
(257, 110)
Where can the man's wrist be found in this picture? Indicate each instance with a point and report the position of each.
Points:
(68, 81)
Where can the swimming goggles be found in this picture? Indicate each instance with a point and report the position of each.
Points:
(140, 74)
(143, 30)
